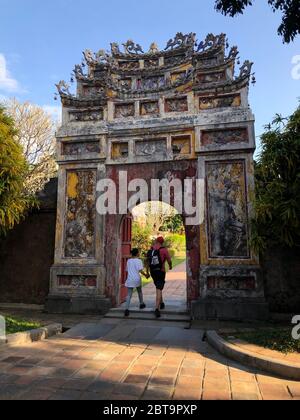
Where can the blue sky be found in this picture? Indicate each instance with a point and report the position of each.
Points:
(41, 41)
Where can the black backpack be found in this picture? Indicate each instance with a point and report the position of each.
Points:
(154, 259)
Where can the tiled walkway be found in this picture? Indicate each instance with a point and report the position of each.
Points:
(128, 360)
(175, 292)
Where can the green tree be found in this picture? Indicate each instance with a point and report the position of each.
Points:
(141, 238)
(277, 172)
(173, 224)
(36, 135)
(13, 170)
(290, 25)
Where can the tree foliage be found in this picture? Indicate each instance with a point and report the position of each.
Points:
(277, 204)
(35, 133)
(154, 214)
(173, 224)
(290, 25)
(141, 238)
(13, 170)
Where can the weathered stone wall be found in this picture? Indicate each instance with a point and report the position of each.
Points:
(281, 269)
(27, 253)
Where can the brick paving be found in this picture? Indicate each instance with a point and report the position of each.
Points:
(131, 360)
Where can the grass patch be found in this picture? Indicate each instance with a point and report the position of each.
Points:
(177, 260)
(274, 339)
(15, 325)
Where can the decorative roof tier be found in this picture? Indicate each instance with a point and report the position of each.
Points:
(184, 65)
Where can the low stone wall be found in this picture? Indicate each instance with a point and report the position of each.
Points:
(281, 270)
(27, 253)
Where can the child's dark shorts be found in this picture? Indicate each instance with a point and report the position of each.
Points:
(159, 278)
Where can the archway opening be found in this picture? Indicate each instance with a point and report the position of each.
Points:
(150, 220)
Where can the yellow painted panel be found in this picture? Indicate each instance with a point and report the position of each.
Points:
(72, 185)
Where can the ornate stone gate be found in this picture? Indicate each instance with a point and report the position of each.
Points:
(176, 114)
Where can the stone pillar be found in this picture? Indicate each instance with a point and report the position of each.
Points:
(78, 275)
(231, 285)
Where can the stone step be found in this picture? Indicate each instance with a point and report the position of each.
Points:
(138, 315)
(168, 311)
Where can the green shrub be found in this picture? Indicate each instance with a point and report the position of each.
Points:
(277, 173)
(13, 170)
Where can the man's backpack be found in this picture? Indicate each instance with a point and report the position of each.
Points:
(154, 259)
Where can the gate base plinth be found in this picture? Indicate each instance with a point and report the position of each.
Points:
(77, 305)
(230, 310)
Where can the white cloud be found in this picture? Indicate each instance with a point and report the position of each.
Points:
(7, 83)
(54, 111)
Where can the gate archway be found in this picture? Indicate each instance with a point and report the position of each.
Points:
(181, 113)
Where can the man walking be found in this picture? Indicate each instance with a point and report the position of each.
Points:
(157, 258)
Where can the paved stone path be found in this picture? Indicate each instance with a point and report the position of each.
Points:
(128, 360)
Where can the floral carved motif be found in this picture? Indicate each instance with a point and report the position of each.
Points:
(148, 148)
(77, 282)
(208, 102)
(211, 77)
(150, 108)
(231, 283)
(124, 110)
(176, 105)
(96, 115)
(222, 137)
(80, 148)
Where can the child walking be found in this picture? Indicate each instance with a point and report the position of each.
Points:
(135, 268)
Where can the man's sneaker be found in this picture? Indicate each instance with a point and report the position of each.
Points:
(162, 306)
(127, 313)
(142, 306)
(157, 313)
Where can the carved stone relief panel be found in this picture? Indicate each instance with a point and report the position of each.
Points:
(173, 60)
(223, 137)
(80, 214)
(125, 83)
(149, 108)
(151, 83)
(92, 91)
(176, 105)
(120, 150)
(151, 148)
(210, 102)
(211, 77)
(80, 148)
(124, 110)
(178, 76)
(87, 115)
(213, 61)
(151, 62)
(129, 65)
(227, 210)
(77, 282)
(231, 283)
(181, 146)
